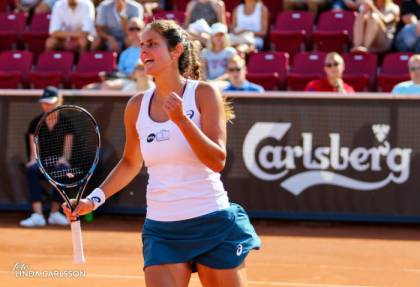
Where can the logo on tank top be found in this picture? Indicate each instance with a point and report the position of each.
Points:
(163, 135)
(190, 113)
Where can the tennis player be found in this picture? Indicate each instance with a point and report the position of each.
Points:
(179, 130)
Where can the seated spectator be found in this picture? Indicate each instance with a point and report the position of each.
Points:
(111, 23)
(129, 57)
(213, 11)
(26, 6)
(334, 68)
(411, 87)
(217, 53)
(315, 6)
(45, 6)
(375, 25)
(237, 77)
(349, 5)
(408, 39)
(71, 26)
(48, 101)
(251, 16)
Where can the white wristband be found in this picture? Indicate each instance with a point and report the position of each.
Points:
(97, 197)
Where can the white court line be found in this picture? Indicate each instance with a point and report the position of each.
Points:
(254, 282)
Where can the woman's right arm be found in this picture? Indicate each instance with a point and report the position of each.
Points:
(127, 168)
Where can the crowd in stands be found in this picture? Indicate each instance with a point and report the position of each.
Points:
(247, 45)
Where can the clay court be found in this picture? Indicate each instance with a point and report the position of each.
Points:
(294, 254)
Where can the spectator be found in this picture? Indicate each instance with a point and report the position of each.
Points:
(217, 54)
(350, 5)
(411, 87)
(26, 6)
(45, 6)
(112, 20)
(408, 38)
(334, 68)
(71, 26)
(375, 25)
(213, 11)
(237, 77)
(314, 6)
(129, 57)
(251, 16)
(49, 100)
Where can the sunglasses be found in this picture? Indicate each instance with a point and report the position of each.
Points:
(234, 69)
(414, 68)
(333, 64)
(134, 29)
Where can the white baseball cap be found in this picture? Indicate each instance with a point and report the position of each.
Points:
(218, 28)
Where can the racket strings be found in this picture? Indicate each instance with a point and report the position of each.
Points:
(67, 144)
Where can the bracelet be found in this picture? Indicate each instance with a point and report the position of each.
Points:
(97, 197)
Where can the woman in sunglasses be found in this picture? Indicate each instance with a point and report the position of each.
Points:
(411, 87)
(333, 82)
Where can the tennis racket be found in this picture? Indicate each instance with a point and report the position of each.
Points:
(67, 143)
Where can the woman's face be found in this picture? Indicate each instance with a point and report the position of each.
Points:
(154, 52)
(218, 40)
(333, 67)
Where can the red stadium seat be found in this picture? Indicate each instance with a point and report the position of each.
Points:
(360, 71)
(307, 66)
(52, 69)
(12, 26)
(393, 71)
(292, 31)
(37, 33)
(179, 5)
(274, 7)
(14, 68)
(177, 16)
(334, 31)
(268, 69)
(89, 66)
(231, 4)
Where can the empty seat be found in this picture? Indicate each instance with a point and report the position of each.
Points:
(334, 31)
(268, 69)
(292, 31)
(52, 69)
(12, 26)
(90, 65)
(14, 68)
(37, 33)
(360, 71)
(306, 66)
(393, 71)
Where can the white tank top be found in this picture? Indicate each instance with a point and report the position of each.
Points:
(250, 22)
(180, 186)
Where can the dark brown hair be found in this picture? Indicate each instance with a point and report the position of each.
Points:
(189, 64)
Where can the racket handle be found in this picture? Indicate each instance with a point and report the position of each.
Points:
(76, 233)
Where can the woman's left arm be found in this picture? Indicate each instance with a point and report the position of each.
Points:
(388, 17)
(264, 22)
(209, 142)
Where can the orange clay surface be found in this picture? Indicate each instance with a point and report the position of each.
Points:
(294, 254)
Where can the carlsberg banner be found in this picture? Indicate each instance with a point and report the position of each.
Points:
(326, 158)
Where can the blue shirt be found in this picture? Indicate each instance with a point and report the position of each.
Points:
(406, 88)
(245, 87)
(128, 60)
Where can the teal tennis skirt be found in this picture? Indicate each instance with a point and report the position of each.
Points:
(219, 240)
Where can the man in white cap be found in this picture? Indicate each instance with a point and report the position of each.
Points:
(49, 99)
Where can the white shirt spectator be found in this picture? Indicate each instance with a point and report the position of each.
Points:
(81, 18)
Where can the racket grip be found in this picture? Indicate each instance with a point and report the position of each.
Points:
(76, 233)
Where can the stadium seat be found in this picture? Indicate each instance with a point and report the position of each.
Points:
(90, 65)
(230, 5)
(393, 71)
(360, 71)
(268, 69)
(12, 26)
(37, 33)
(177, 16)
(334, 31)
(307, 66)
(14, 68)
(179, 5)
(274, 7)
(292, 31)
(52, 69)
